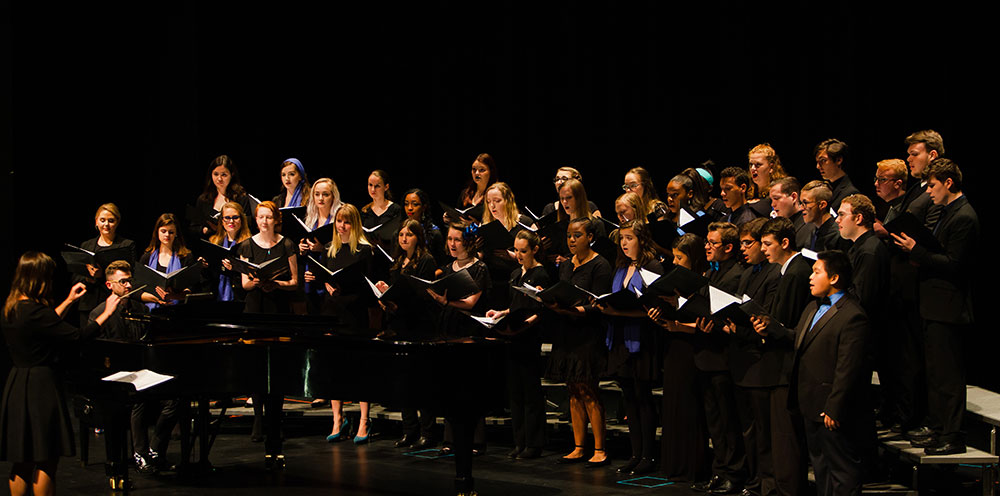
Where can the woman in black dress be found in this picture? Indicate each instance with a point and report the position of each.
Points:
(527, 401)
(166, 253)
(233, 230)
(684, 440)
(269, 296)
(502, 207)
(634, 351)
(452, 322)
(764, 167)
(411, 318)
(484, 173)
(106, 221)
(347, 304)
(579, 356)
(381, 218)
(416, 204)
(295, 190)
(35, 427)
(222, 185)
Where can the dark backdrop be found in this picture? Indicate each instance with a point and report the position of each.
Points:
(129, 103)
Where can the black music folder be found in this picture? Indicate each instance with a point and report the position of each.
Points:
(496, 237)
(295, 229)
(266, 271)
(78, 258)
(458, 284)
(456, 214)
(183, 278)
(914, 228)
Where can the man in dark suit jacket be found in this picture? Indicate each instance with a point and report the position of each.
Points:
(922, 148)
(759, 281)
(830, 376)
(869, 257)
(831, 162)
(734, 185)
(945, 304)
(815, 200)
(785, 194)
(714, 379)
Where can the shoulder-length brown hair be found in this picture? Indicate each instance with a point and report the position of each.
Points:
(32, 280)
(646, 251)
(165, 220)
(419, 251)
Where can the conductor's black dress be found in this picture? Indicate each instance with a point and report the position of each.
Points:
(34, 418)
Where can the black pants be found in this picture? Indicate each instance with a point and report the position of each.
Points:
(901, 365)
(422, 424)
(166, 420)
(638, 396)
(723, 421)
(754, 407)
(836, 458)
(945, 378)
(788, 445)
(527, 401)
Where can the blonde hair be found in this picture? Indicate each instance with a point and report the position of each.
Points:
(777, 171)
(357, 235)
(894, 166)
(635, 201)
(312, 212)
(511, 213)
(580, 197)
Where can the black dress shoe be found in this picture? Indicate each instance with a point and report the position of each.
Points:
(603, 463)
(645, 466)
(530, 454)
(406, 441)
(424, 443)
(705, 486)
(566, 461)
(512, 454)
(726, 487)
(920, 432)
(747, 492)
(949, 448)
(629, 465)
(445, 451)
(924, 442)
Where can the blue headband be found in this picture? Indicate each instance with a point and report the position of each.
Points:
(707, 176)
(298, 165)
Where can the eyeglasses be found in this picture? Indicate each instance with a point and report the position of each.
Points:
(560, 179)
(232, 218)
(881, 180)
(713, 244)
(629, 186)
(747, 243)
(123, 281)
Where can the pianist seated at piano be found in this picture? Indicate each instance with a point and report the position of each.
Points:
(166, 253)
(122, 325)
(35, 427)
(348, 303)
(233, 229)
(269, 296)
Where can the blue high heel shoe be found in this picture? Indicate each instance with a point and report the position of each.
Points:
(332, 438)
(359, 439)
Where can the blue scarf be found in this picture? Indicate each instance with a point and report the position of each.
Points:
(154, 260)
(225, 284)
(297, 194)
(631, 326)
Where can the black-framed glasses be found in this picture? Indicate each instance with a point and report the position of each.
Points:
(123, 281)
(232, 218)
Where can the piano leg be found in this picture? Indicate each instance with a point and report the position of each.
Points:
(117, 417)
(463, 429)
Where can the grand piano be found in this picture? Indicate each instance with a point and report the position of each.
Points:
(215, 351)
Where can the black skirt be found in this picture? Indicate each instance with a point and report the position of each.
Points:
(34, 419)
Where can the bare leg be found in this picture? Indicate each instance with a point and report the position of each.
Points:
(578, 415)
(595, 411)
(44, 483)
(363, 423)
(338, 416)
(20, 474)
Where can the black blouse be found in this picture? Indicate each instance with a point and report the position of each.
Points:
(257, 300)
(390, 220)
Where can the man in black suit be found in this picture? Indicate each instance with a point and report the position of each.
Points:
(831, 162)
(785, 194)
(922, 148)
(734, 185)
(869, 257)
(759, 281)
(714, 379)
(147, 456)
(945, 304)
(830, 376)
(815, 199)
(791, 298)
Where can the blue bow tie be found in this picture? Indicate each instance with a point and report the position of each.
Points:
(713, 266)
(758, 267)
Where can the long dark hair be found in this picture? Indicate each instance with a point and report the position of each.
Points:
(646, 251)
(32, 280)
(421, 249)
(234, 191)
(470, 187)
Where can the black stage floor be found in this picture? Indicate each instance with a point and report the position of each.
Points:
(317, 467)
(377, 468)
